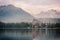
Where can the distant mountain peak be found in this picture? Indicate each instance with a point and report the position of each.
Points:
(11, 13)
(10, 5)
(49, 14)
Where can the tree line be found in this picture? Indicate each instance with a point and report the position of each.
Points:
(20, 27)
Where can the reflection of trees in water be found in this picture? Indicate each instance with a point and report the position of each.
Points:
(53, 30)
(40, 28)
(57, 30)
(2, 25)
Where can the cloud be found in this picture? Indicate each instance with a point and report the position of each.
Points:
(41, 2)
(33, 6)
(32, 2)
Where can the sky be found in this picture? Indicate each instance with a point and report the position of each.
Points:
(33, 6)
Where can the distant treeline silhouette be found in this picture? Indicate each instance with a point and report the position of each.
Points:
(24, 27)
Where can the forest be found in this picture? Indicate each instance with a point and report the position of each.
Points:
(25, 27)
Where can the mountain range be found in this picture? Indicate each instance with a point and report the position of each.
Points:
(49, 14)
(11, 13)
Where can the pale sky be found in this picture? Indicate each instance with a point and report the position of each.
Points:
(33, 6)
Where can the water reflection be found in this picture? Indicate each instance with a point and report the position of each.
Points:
(42, 32)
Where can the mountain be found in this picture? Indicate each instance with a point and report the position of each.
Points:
(11, 13)
(49, 14)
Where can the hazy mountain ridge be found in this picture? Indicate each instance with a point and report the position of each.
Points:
(11, 13)
(49, 14)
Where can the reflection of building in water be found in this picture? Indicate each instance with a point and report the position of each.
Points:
(40, 27)
(35, 27)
